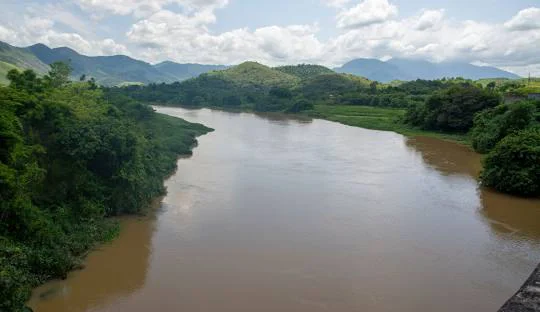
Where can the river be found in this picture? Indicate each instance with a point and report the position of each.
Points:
(273, 214)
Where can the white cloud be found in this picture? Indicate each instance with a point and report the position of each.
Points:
(366, 13)
(7, 35)
(428, 35)
(527, 19)
(169, 35)
(439, 39)
(144, 8)
(429, 19)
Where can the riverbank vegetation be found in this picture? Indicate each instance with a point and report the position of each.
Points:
(471, 112)
(70, 156)
(508, 133)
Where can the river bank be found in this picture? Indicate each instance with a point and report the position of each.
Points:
(173, 138)
(378, 118)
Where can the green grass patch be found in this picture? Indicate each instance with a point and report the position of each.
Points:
(377, 118)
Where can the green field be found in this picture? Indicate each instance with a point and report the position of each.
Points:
(377, 118)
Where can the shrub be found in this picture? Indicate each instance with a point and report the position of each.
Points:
(492, 125)
(514, 164)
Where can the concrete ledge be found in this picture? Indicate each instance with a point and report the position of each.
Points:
(527, 299)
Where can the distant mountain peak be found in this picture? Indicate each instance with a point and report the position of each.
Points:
(410, 69)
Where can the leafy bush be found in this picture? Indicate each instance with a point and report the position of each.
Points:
(452, 109)
(514, 164)
(492, 125)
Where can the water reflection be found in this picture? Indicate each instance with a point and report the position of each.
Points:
(507, 216)
(273, 117)
(283, 119)
(447, 157)
(511, 216)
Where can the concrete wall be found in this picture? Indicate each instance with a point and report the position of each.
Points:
(527, 299)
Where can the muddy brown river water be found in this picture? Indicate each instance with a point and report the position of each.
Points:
(278, 214)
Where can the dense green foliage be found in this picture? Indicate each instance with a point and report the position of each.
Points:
(511, 135)
(452, 109)
(254, 74)
(492, 125)
(71, 155)
(513, 87)
(513, 166)
(305, 71)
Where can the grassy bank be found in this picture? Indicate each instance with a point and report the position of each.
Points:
(377, 118)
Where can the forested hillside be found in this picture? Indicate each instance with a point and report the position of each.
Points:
(71, 155)
(105, 70)
(304, 71)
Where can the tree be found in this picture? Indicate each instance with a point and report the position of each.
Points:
(27, 80)
(83, 77)
(282, 93)
(514, 164)
(93, 84)
(492, 125)
(232, 100)
(453, 109)
(300, 105)
(373, 87)
(58, 76)
(491, 86)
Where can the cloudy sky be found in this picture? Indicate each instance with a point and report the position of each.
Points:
(501, 33)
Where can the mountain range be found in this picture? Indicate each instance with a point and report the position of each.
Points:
(107, 70)
(122, 70)
(404, 69)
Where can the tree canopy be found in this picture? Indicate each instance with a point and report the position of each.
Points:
(70, 155)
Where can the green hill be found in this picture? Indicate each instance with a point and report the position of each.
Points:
(107, 70)
(304, 71)
(18, 58)
(253, 73)
(251, 85)
(113, 70)
(330, 85)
